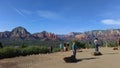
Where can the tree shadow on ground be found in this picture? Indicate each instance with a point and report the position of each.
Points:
(82, 59)
(111, 53)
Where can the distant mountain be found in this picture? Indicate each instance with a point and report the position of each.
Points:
(45, 36)
(74, 33)
(110, 34)
(22, 34)
(5, 34)
(70, 36)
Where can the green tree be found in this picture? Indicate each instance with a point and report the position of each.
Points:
(22, 46)
(1, 46)
(79, 44)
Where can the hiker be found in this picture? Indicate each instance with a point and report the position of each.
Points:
(50, 48)
(96, 45)
(65, 47)
(74, 49)
(119, 43)
(89, 44)
(61, 47)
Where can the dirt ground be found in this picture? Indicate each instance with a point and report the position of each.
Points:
(109, 59)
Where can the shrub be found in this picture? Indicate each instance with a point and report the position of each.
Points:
(80, 44)
(112, 43)
(23, 50)
(22, 46)
(89, 45)
(33, 50)
(1, 46)
(43, 50)
(56, 49)
(8, 52)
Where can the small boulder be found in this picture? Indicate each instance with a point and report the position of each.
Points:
(70, 59)
(115, 48)
(96, 53)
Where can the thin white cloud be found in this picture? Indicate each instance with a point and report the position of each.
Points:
(48, 14)
(15, 9)
(111, 22)
(27, 12)
(19, 12)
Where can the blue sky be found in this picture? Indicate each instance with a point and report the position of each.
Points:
(59, 16)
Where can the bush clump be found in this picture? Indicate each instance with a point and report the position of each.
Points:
(56, 49)
(79, 44)
(8, 52)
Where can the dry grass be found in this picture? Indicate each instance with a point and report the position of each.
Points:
(109, 59)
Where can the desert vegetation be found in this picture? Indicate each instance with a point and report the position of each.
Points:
(24, 50)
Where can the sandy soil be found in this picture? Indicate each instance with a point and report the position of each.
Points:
(109, 59)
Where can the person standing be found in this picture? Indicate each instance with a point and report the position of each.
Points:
(74, 49)
(67, 46)
(64, 47)
(96, 45)
(61, 47)
(119, 43)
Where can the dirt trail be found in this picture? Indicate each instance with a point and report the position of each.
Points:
(109, 59)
